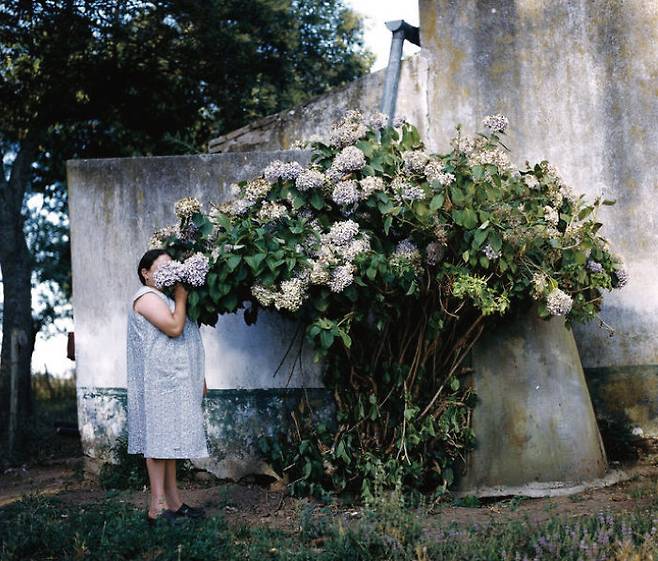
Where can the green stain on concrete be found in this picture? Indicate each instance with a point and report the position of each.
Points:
(235, 419)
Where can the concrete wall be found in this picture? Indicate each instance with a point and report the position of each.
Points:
(115, 205)
(313, 119)
(578, 80)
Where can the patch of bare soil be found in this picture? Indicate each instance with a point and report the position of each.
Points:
(255, 504)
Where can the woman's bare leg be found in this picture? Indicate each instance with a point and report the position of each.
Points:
(170, 487)
(156, 471)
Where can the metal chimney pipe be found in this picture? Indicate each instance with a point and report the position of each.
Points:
(401, 30)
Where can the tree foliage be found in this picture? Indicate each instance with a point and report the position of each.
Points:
(100, 78)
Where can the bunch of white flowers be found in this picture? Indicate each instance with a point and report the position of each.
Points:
(497, 123)
(415, 161)
(271, 211)
(341, 277)
(348, 130)
(193, 272)
(371, 184)
(434, 172)
(159, 236)
(186, 207)
(558, 302)
(349, 159)
(551, 216)
(285, 171)
(405, 255)
(406, 192)
(257, 189)
(310, 179)
(346, 192)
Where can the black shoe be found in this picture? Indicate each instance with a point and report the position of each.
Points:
(168, 516)
(190, 512)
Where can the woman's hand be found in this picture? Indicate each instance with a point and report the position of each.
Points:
(205, 388)
(180, 292)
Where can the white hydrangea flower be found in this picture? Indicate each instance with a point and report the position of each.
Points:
(291, 296)
(271, 211)
(158, 237)
(310, 179)
(282, 170)
(531, 181)
(376, 120)
(345, 192)
(341, 277)
(348, 130)
(195, 269)
(342, 233)
(354, 248)
(622, 277)
(539, 285)
(406, 253)
(495, 157)
(371, 184)
(319, 273)
(558, 302)
(349, 159)
(257, 189)
(434, 172)
(415, 161)
(186, 207)
(497, 123)
(263, 295)
(594, 266)
(551, 215)
(168, 274)
(405, 191)
(238, 207)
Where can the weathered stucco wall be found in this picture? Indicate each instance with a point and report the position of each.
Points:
(313, 119)
(578, 81)
(115, 205)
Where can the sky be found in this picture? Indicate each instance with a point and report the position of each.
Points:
(376, 14)
(50, 353)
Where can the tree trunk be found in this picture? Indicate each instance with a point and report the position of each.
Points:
(16, 268)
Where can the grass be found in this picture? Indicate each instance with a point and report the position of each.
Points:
(40, 528)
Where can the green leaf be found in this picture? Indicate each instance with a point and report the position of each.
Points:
(233, 261)
(317, 202)
(437, 202)
(387, 224)
(347, 340)
(470, 218)
(326, 339)
(479, 237)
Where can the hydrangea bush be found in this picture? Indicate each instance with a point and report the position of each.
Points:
(395, 260)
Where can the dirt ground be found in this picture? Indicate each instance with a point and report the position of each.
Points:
(255, 504)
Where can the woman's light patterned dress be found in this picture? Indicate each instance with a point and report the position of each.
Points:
(165, 388)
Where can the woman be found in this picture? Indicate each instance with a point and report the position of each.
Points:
(166, 386)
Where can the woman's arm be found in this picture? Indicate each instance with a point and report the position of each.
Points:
(155, 309)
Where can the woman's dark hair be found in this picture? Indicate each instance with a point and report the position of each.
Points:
(147, 261)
